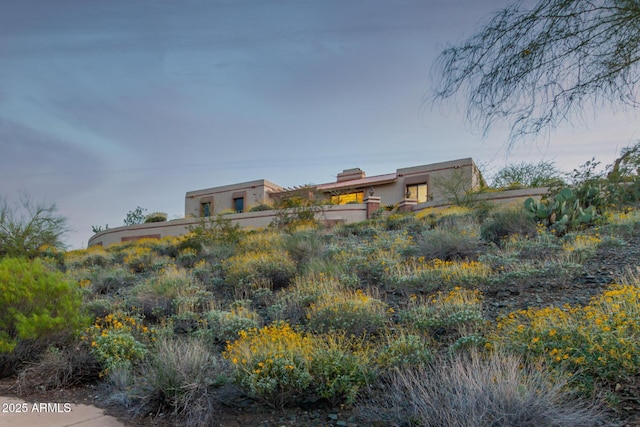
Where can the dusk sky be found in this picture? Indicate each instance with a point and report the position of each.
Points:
(106, 105)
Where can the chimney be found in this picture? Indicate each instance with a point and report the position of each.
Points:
(351, 174)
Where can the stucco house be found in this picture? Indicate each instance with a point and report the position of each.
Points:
(352, 197)
(404, 187)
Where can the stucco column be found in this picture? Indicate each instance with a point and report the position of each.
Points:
(373, 204)
(407, 205)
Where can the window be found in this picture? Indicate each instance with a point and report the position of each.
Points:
(205, 209)
(343, 199)
(417, 191)
(238, 204)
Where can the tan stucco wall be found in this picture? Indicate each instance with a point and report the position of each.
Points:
(330, 214)
(496, 198)
(256, 192)
(394, 192)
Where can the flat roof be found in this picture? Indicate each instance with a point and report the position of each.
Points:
(360, 182)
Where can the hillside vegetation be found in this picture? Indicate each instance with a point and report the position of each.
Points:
(468, 316)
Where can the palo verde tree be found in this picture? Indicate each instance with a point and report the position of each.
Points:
(28, 226)
(535, 68)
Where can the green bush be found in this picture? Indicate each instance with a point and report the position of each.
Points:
(507, 223)
(404, 350)
(35, 302)
(260, 207)
(340, 369)
(156, 217)
(28, 228)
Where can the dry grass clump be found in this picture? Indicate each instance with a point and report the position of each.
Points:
(458, 243)
(59, 368)
(179, 379)
(477, 390)
(512, 221)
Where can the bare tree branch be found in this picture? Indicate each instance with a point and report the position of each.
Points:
(536, 68)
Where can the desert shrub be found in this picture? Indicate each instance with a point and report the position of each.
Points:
(418, 273)
(59, 368)
(27, 227)
(580, 247)
(354, 313)
(363, 229)
(223, 326)
(435, 216)
(302, 246)
(93, 256)
(177, 380)
(260, 241)
(477, 390)
(597, 342)
(449, 244)
(141, 259)
(508, 222)
(622, 223)
(260, 207)
(371, 260)
(111, 280)
(36, 302)
(156, 217)
(341, 368)
(99, 307)
(272, 363)
(212, 231)
(172, 288)
(118, 340)
(291, 303)
(457, 312)
(274, 265)
(401, 349)
(187, 257)
(541, 246)
(522, 175)
(407, 222)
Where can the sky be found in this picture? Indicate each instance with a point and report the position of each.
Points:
(110, 105)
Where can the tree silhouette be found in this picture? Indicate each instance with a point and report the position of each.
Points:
(536, 68)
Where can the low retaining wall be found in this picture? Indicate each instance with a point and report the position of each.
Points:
(330, 215)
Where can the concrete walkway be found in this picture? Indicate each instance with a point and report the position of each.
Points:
(18, 413)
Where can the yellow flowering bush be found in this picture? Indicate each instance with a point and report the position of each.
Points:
(139, 258)
(596, 342)
(355, 313)
(272, 363)
(93, 256)
(118, 340)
